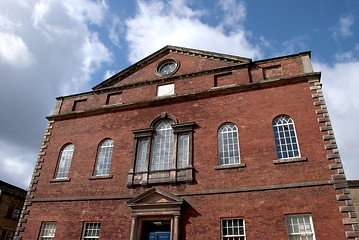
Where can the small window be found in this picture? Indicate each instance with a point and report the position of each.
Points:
(63, 167)
(103, 160)
(228, 146)
(47, 231)
(141, 155)
(10, 235)
(9, 212)
(91, 231)
(233, 229)
(300, 227)
(16, 214)
(164, 90)
(285, 138)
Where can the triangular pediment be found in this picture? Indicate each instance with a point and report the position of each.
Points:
(189, 60)
(155, 196)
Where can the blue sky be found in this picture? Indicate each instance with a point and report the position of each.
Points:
(61, 47)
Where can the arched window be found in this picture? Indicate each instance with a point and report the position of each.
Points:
(285, 138)
(64, 163)
(162, 152)
(228, 146)
(162, 146)
(103, 160)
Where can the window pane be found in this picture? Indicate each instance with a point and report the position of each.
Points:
(141, 155)
(162, 146)
(228, 147)
(63, 167)
(299, 226)
(232, 228)
(91, 230)
(285, 137)
(183, 150)
(104, 155)
(48, 230)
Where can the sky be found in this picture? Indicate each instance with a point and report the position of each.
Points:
(52, 48)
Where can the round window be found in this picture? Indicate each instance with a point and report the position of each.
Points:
(167, 67)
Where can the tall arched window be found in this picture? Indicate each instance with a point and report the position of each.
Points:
(285, 138)
(162, 152)
(103, 160)
(162, 146)
(228, 146)
(64, 162)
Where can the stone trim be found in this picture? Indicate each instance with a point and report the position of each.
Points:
(290, 160)
(194, 193)
(34, 180)
(268, 83)
(334, 162)
(100, 177)
(230, 166)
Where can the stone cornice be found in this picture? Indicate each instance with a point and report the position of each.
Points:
(235, 88)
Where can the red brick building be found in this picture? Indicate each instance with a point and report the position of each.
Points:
(189, 144)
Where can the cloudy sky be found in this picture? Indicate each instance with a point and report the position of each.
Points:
(51, 48)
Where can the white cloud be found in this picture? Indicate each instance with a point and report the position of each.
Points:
(52, 51)
(341, 87)
(158, 24)
(343, 27)
(14, 51)
(235, 12)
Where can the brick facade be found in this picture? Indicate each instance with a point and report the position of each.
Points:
(210, 89)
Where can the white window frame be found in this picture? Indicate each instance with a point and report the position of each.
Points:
(104, 156)
(85, 230)
(48, 230)
(285, 137)
(225, 235)
(305, 228)
(228, 143)
(64, 163)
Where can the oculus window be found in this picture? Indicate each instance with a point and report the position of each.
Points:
(285, 138)
(162, 152)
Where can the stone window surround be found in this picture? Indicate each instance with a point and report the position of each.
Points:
(172, 175)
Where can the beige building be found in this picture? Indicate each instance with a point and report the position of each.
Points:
(11, 201)
(354, 192)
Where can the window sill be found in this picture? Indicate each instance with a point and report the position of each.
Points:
(229, 166)
(290, 160)
(100, 177)
(59, 180)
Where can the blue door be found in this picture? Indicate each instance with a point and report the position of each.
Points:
(157, 236)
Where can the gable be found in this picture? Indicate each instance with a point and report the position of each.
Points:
(189, 60)
(155, 196)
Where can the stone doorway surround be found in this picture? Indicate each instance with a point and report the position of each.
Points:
(155, 205)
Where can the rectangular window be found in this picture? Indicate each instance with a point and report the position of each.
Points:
(164, 90)
(141, 155)
(16, 214)
(47, 231)
(233, 229)
(299, 227)
(91, 231)
(10, 235)
(183, 152)
(9, 212)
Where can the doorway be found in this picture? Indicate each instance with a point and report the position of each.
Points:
(156, 230)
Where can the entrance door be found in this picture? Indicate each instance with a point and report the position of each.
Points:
(157, 230)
